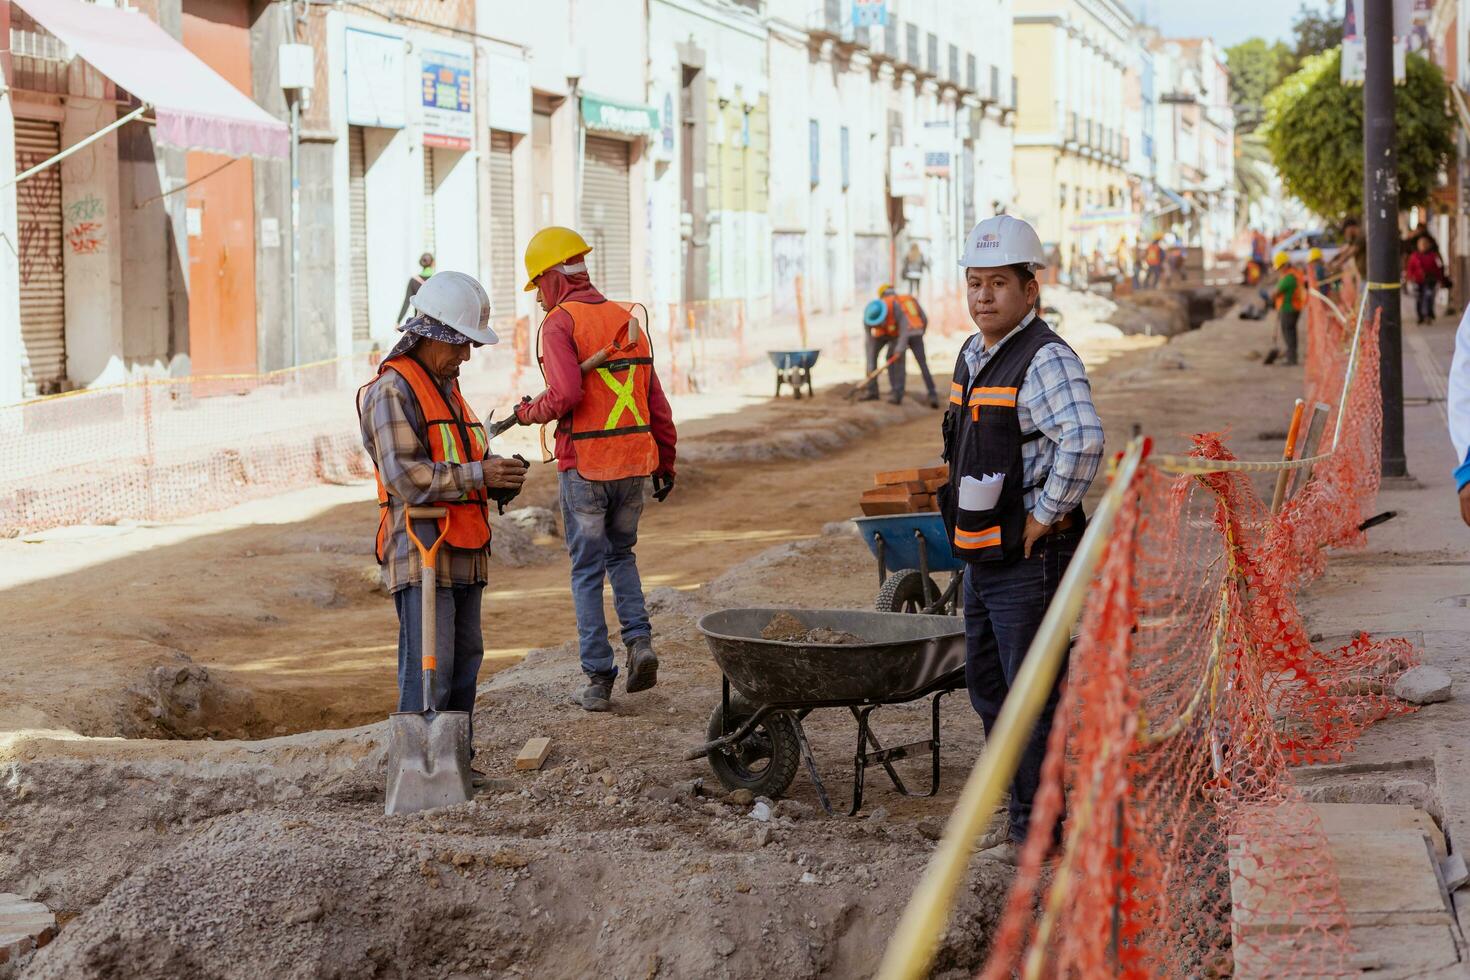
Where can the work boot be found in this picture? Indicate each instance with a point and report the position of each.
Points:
(896, 400)
(597, 695)
(868, 396)
(642, 665)
(933, 400)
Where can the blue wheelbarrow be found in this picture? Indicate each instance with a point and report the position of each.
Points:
(794, 368)
(916, 547)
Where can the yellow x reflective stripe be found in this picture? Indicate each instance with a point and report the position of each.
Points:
(624, 392)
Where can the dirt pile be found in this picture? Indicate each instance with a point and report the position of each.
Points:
(788, 629)
(274, 858)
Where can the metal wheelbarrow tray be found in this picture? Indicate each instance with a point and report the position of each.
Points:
(756, 738)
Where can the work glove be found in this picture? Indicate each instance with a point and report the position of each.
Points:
(525, 400)
(504, 495)
(663, 485)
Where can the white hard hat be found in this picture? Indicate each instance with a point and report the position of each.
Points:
(1001, 241)
(459, 302)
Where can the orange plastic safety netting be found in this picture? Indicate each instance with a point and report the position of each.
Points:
(1193, 685)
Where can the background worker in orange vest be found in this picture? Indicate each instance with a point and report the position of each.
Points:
(904, 322)
(1290, 298)
(614, 429)
(428, 447)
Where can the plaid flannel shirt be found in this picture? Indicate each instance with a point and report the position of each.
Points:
(1056, 400)
(393, 434)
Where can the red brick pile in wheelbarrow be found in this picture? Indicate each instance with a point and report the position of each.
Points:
(904, 491)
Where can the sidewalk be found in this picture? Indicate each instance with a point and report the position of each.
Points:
(1410, 581)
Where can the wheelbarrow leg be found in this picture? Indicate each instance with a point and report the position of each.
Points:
(860, 761)
(779, 378)
(881, 550)
(811, 393)
(929, 597)
(811, 764)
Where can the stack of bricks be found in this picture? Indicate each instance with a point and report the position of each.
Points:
(904, 491)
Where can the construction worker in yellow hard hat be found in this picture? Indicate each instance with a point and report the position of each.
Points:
(1290, 297)
(614, 430)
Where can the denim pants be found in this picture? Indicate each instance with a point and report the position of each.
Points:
(1425, 300)
(601, 521)
(880, 349)
(1289, 320)
(916, 348)
(458, 646)
(1004, 605)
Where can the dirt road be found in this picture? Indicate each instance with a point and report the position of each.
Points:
(248, 858)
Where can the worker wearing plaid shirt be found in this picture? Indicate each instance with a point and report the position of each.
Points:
(396, 437)
(1020, 406)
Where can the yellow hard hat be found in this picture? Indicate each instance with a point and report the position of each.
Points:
(884, 289)
(1280, 260)
(1315, 255)
(549, 247)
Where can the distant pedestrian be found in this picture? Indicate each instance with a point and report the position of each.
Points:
(426, 269)
(914, 267)
(1153, 263)
(1425, 270)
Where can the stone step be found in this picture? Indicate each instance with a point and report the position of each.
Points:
(24, 926)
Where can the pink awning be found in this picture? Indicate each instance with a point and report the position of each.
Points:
(196, 109)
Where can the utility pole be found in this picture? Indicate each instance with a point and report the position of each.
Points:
(1381, 224)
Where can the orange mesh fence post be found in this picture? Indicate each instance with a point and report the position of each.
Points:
(799, 285)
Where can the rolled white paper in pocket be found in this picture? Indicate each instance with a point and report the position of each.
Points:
(982, 494)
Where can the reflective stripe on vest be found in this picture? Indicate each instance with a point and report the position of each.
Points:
(447, 427)
(612, 424)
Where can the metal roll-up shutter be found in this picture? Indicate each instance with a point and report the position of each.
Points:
(606, 222)
(429, 202)
(502, 226)
(38, 244)
(357, 232)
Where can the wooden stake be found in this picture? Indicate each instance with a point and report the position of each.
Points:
(1312, 445)
(1284, 477)
(801, 310)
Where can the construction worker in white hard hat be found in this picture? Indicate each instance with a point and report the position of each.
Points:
(428, 447)
(614, 430)
(1023, 443)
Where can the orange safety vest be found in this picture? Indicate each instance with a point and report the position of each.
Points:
(612, 426)
(889, 327)
(1299, 294)
(455, 435)
(1154, 255)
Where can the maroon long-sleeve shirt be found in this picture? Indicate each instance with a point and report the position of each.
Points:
(564, 377)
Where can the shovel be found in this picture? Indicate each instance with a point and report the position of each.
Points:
(428, 750)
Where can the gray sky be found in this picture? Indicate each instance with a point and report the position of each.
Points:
(1227, 22)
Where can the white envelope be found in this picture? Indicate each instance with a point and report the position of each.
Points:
(982, 494)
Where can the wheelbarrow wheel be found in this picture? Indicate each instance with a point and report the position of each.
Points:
(764, 762)
(904, 592)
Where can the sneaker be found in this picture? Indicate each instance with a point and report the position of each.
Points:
(1006, 852)
(597, 695)
(642, 665)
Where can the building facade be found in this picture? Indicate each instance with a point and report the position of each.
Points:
(1072, 141)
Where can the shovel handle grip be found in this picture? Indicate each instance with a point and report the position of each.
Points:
(430, 596)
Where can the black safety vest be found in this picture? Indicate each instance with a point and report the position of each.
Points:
(982, 434)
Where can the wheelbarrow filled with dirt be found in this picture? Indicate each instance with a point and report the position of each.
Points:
(780, 665)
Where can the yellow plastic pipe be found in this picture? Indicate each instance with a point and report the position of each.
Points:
(912, 948)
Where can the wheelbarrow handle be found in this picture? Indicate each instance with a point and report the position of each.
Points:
(428, 601)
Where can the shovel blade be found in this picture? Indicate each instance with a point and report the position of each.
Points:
(428, 760)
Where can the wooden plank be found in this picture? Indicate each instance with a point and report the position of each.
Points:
(1361, 818)
(533, 754)
(886, 493)
(884, 508)
(917, 475)
(935, 482)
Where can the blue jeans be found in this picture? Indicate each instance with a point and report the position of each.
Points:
(458, 646)
(601, 521)
(1424, 302)
(1004, 605)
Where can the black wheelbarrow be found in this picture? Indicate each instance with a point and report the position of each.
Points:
(794, 368)
(755, 736)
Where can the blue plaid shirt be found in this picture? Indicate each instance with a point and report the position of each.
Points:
(1056, 400)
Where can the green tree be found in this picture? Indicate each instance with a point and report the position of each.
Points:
(1314, 128)
(1316, 30)
(1255, 69)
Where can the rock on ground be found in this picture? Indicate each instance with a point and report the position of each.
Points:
(1425, 684)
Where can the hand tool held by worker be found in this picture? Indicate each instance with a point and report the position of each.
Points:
(663, 485)
(428, 750)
